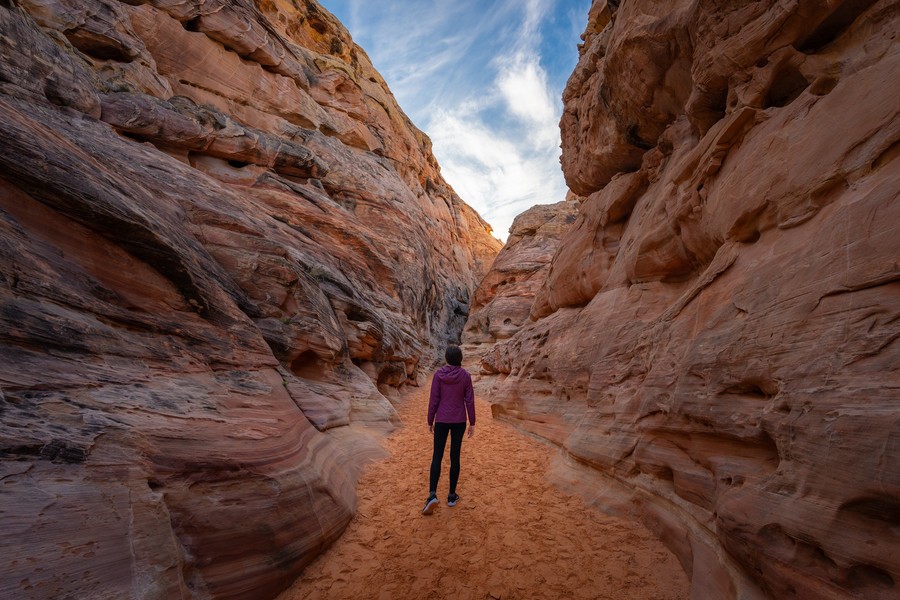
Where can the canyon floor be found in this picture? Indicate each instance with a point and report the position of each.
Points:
(513, 535)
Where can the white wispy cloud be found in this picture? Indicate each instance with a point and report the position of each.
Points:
(492, 169)
(471, 75)
(525, 90)
(502, 157)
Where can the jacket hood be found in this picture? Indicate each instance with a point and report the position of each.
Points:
(450, 374)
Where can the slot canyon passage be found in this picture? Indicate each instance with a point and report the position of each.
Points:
(230, 263)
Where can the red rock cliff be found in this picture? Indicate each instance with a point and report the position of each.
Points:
(219, 237)
(717, 337)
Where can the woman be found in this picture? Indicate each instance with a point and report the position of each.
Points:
(452, 397)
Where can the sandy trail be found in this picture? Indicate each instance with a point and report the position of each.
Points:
(512, 535)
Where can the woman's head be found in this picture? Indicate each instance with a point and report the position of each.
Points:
(453, 356)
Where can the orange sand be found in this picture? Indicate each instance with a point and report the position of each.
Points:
(512, 535)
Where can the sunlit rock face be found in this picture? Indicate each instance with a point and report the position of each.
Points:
(503, 300)
(717, 336)
(221, 241)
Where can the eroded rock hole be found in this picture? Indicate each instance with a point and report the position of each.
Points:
(99, 46)
(832, 27)
(860, 577)
(192, 25)
(355, 314)
(712, 110)
(788, 84)
(632, 135)
(664, 473)
(762, 390)
(308, 366)
(877, 508)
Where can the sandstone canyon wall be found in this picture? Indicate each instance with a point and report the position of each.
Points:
(220, 241)
(502, 303)
(717, 336)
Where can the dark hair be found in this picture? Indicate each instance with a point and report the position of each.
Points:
(454, 356)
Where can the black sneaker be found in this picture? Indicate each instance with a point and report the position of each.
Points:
(430, 504)
(452, 499)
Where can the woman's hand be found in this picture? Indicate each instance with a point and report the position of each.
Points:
(471, 430)
(431, 429)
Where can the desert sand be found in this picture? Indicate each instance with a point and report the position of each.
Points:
(512, 535)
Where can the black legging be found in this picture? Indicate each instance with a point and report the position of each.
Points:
(456, 431)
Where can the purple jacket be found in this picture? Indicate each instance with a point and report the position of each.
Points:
(452, 396)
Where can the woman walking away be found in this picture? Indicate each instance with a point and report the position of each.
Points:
(452, 397)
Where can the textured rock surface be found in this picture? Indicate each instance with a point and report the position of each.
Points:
(503, 300)
(717, 337)
(221, 241)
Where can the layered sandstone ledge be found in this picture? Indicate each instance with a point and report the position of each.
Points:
(221, 242)
(715, 346)
(502, 303)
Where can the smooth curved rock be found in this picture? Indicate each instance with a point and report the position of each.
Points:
(717, 336)
(221, 243)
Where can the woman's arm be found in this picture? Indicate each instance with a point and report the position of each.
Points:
(434, 401)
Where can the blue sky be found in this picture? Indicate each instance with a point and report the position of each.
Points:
(484, 79)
